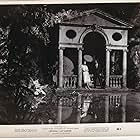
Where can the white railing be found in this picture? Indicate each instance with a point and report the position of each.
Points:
(70, 81)
(115, 81)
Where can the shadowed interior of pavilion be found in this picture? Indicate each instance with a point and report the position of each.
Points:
(94, 49)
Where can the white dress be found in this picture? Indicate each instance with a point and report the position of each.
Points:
(86, 76)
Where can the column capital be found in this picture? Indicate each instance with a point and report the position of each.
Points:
(61, 48)
(108, 49)
(125, 50)
(80, 48)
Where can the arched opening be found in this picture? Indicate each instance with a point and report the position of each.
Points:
(70, 68)
(95, 54)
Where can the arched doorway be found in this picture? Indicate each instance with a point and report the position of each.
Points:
(95, 54)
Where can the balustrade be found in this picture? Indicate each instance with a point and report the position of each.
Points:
(115, 81)
(114, 100)
(70, 81)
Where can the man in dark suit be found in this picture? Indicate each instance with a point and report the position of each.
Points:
(98, 75)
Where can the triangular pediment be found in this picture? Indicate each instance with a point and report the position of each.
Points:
(97, 17)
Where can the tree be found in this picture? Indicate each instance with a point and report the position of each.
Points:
(25, 32)
(134, 50)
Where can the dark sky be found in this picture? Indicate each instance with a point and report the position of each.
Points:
(121, 10)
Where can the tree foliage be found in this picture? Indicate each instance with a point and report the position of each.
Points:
(25, 32)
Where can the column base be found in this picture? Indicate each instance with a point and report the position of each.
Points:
(107, 88)
(60, 88)
(125, 88)
(79, 87)
(116, 89)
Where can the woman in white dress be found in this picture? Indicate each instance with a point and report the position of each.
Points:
(86, 76)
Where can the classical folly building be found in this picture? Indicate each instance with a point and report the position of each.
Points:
(94, 36)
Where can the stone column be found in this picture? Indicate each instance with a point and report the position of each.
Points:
(125, 68)
(123, 107)
(79, 98)
(61, 67)
(79, 67)
(107, 108)
(59, 111)
(107, 66)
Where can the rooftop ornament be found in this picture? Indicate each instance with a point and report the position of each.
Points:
(95, 27)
